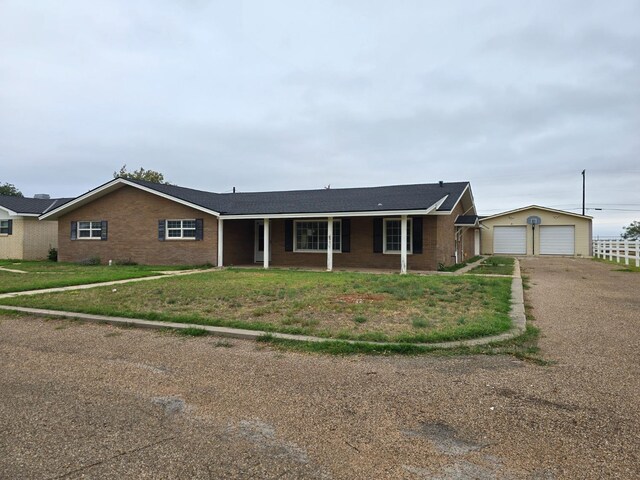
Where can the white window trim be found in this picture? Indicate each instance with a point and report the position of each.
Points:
(91, 229)
(306, 250)
(409, 236)
(182, 229)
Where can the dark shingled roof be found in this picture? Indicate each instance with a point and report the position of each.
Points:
(33, 206)
(397, 197)
(466, 219)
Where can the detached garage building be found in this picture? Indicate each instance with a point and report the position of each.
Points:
(536, 230)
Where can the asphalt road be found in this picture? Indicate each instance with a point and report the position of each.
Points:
(93, 401)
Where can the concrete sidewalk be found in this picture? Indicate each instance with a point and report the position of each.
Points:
(165, 274)
(517, 317)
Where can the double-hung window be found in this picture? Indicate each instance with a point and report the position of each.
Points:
(90, 229)
(312, 235)
(5, 227)
(393, 235)
(181, 229)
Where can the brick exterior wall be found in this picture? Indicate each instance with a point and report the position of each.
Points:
(239, 247)
(39, 237)
(239, 242)
(133, 215)
(133, 231)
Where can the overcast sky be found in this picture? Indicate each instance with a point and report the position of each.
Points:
(516, 97)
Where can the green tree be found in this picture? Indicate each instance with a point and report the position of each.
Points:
(10, 189)
(632, 231)
(141, 174)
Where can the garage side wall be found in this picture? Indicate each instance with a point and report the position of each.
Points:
(11, 246)
(39, 237)
(582, 229)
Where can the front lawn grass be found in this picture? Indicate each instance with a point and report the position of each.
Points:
(495, 266)
(46, 274)
(457, 266)
(339, 305)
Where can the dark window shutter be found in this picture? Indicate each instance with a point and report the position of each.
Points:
(161, 228)
(199, 228)
(74, 230)
(346, 235)
(9, 227)
(417, 234)
(377, 235)
(288, 235)
(103, 233)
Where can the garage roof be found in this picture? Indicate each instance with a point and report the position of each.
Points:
(552, 210)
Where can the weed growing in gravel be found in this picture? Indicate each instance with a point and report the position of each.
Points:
(192, 332)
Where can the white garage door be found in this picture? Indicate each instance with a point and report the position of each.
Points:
(557, 240)
(512, 240)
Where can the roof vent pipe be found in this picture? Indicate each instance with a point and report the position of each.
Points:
(441, 183)
(234, 189)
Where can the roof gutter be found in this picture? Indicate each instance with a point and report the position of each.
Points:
(368, 213)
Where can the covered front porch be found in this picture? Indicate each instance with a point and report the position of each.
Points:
(398, 242)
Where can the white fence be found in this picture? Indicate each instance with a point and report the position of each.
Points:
(619, 249)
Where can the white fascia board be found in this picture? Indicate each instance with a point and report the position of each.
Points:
(11, 213)
(442, 212)
(376, 213)
(474, 225)
(82, 199)
(467, 188)
(547, 209)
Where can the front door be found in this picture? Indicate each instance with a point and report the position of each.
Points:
(259, 242)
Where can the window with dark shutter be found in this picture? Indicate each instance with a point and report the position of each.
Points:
(103, 230)
(288, 235)
(199, 228)
(6, 227)
(161, 229)
(417, 234)
(377, 235)
(346, 235)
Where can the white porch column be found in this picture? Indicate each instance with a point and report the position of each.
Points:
(265, 244)
(220, 240)
(329, 244)
(403, 244)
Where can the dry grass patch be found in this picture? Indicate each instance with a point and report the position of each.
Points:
(407, 308)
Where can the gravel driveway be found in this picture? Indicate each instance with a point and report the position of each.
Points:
(93, 401)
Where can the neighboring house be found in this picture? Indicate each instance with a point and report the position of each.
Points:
(536, 230)
(22, 236)
(153, 223)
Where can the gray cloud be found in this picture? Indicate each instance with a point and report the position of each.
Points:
(517, 98)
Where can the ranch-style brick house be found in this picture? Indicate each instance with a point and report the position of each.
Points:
(403, 227)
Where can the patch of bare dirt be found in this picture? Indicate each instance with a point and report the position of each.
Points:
(357, 298)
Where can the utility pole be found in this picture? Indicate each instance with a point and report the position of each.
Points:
(583, 176)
